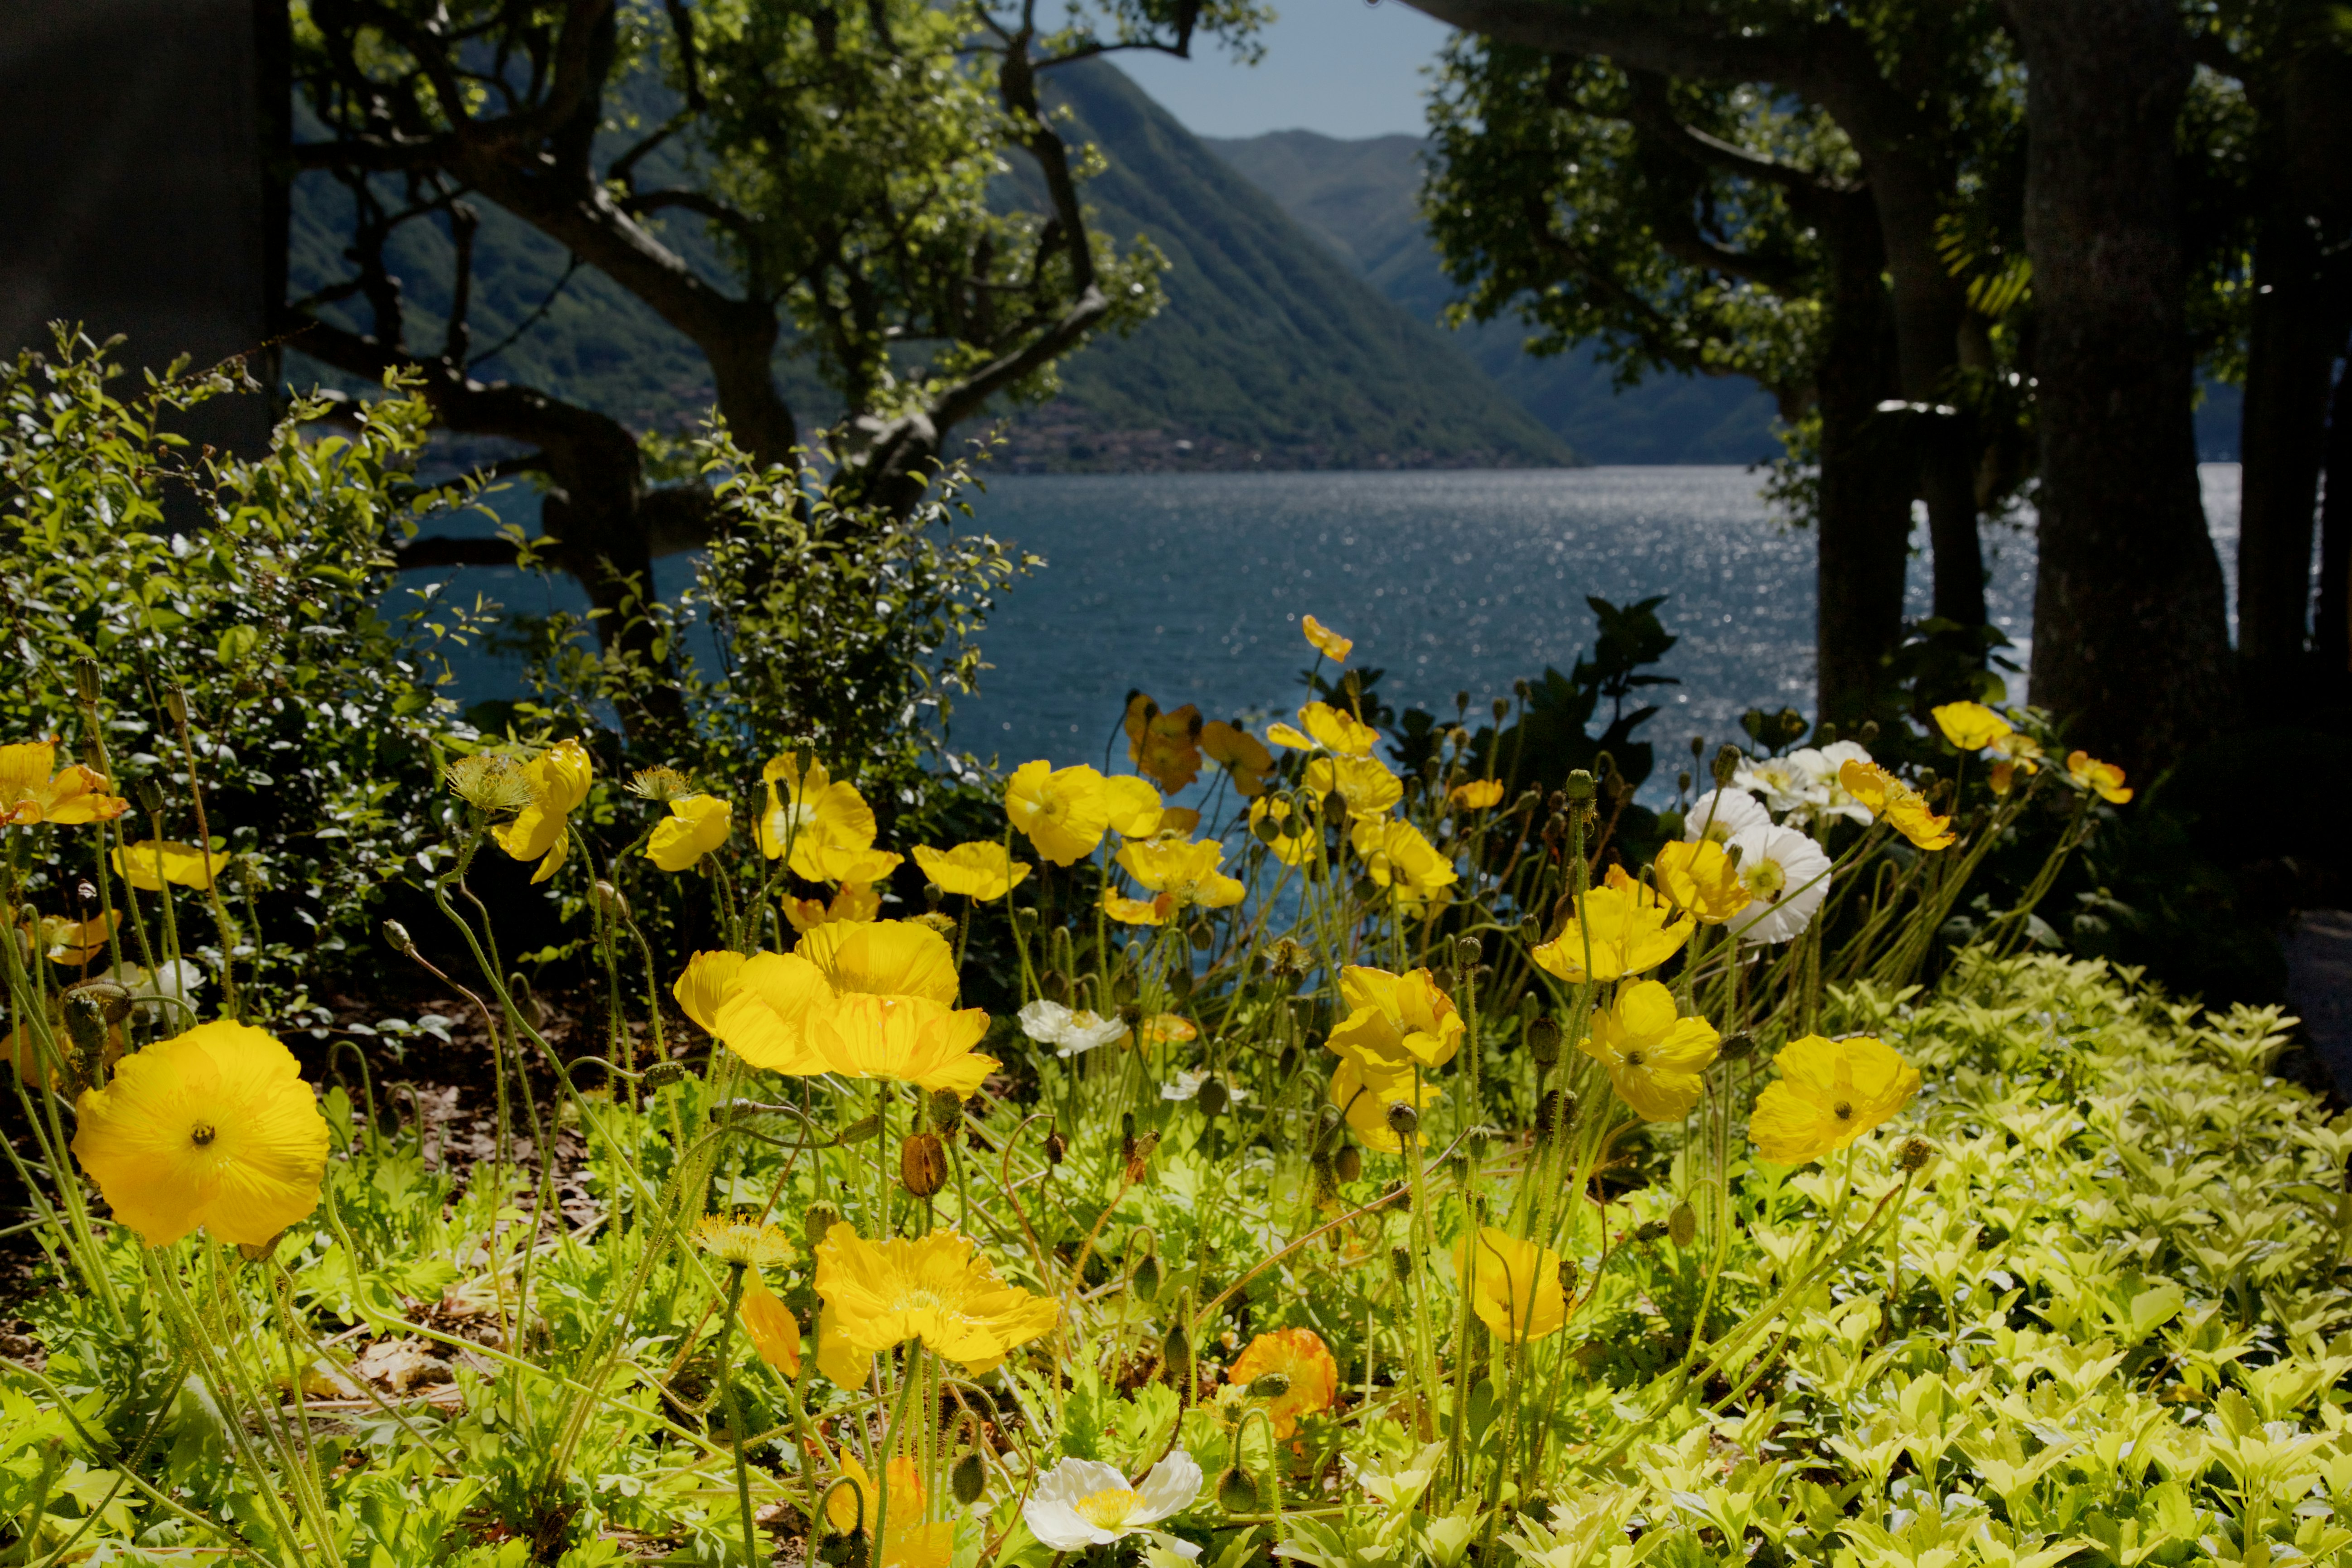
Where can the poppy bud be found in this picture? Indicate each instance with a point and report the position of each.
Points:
(1520, 688)
(397, 935)
(1287, 1063)
(1176, 1352)
(1683, 782)
(858, 1131)
(922, 1164)
(947, 1109)
(1055, 1147)
(1543, 1041)
(1237, 1492)
(150, 796)
(820, 1217)
(1568, 1274)
(1200, 935)
(1737, 1047)
(1145, 1282)
(1825, 735)
(1335, 805)
(1726, 764)
(84, 1020)
(1124, 989)
(1213, 1097)
(1870, 731)
(1682, 1226)
(1526, 804)
(1605, 764)
(1057, 987)
(1531, 929)
(661, 1075)
(1026, 919)
(1269, 1385)
(968, 1478)
(1648, 1231)
(1579, 785)
(1404, 1120)
(1469, 951)
(1130, 1014)
(86, 680)
(175, 703)
(1348, 1163)
(609, 901)
(1916, 1154)
(1462, 703)
(1327, 1185)
(1400, 1264)
(1501, 709)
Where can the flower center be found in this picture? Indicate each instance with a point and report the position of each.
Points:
(1109, 1508)
(1843, 1112)
(1766, 880)
(1633, 1059)
(919, 1301)
(202, 1134)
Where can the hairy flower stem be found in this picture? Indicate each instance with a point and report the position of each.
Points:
(1421, 1231)
(735, 1412)
(179, 712)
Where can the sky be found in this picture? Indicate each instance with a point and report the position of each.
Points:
(1340, 67)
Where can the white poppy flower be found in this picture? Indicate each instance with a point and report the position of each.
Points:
(1787, 876)
(1082, 1502)
(1187, 1084)
(1068, 1031)
(1824, 794)
(1778, 780)
(1720, 813)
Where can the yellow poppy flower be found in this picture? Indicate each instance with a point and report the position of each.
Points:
(24, 1054)
(1169, 1028)
(839, 863)
(1291, 737)
(1328, 643)
(1478, 795)
(1396, 1021)
(934, 1291)
(1339, 731)
(2103, 779)
(1186, 872)
(763, 1018)
(1292, 837)
(1133, 805)
(696, 825)
(30, 794)
(1166, 747)
(748, 1242)
(1513, 1285)
(1364, 782)
(908, 1542)
(1896, 802)
(149, 863)
(1299, 1354)
(74, 943)
(1653, 1055)
(770, 1325)
(843, 1363)
(1630, 930)
(1364, 1094)
(907, 1038)
(852, 903)
(1701, 878)
(1969, 726)
(1396, 855)
(982, 871)
(1129, 911)
(1242, 754)
(1829, 1093)
(213, 1128)
(812, 811)
(1063, 811)
(2003, 777)
(707, 982)
(558, 779)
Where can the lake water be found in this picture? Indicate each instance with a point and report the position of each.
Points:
(1188, 586)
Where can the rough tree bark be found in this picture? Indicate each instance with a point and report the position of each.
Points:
(2130, 642)
(2298, 322)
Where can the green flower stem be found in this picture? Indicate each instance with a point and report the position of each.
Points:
(735, 1412)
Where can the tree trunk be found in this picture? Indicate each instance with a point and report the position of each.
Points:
(1868, 465)
(2331, 641)
(2131, 644)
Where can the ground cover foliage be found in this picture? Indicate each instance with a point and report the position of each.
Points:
(1358, 1155)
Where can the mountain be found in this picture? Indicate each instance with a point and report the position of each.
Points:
(1361, 199)
(1271, 352)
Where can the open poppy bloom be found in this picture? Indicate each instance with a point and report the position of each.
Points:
(1628, 928)
(2103, 779)
(1135, 807)
(31, 794)
(1478, 795)
(706, 984)
(696, 825)
(151, 863)
(1513, 1285)
(852, 1503)
(1397, 855)
(1698, 877)
(1653, 1055)
(1288, 832)
(1300, 1356)
(213, 1128)
(910, 1039)
(1242, 754)
(1969, 726)
(74, 943)
(852, 903)
(1164, 747)
(1326, 642)
(1065, 812)
(811, 810)
(768, 1004)
(976, 870)
(1082, 1503)
(558, 779)
(1070, 1032)
(1829, 1093)
(1186, 873)
(1363, 1091)
(1337, 731)
(1364, 782)
(1897, 804)
(1396, 1022)
(935, 1290)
